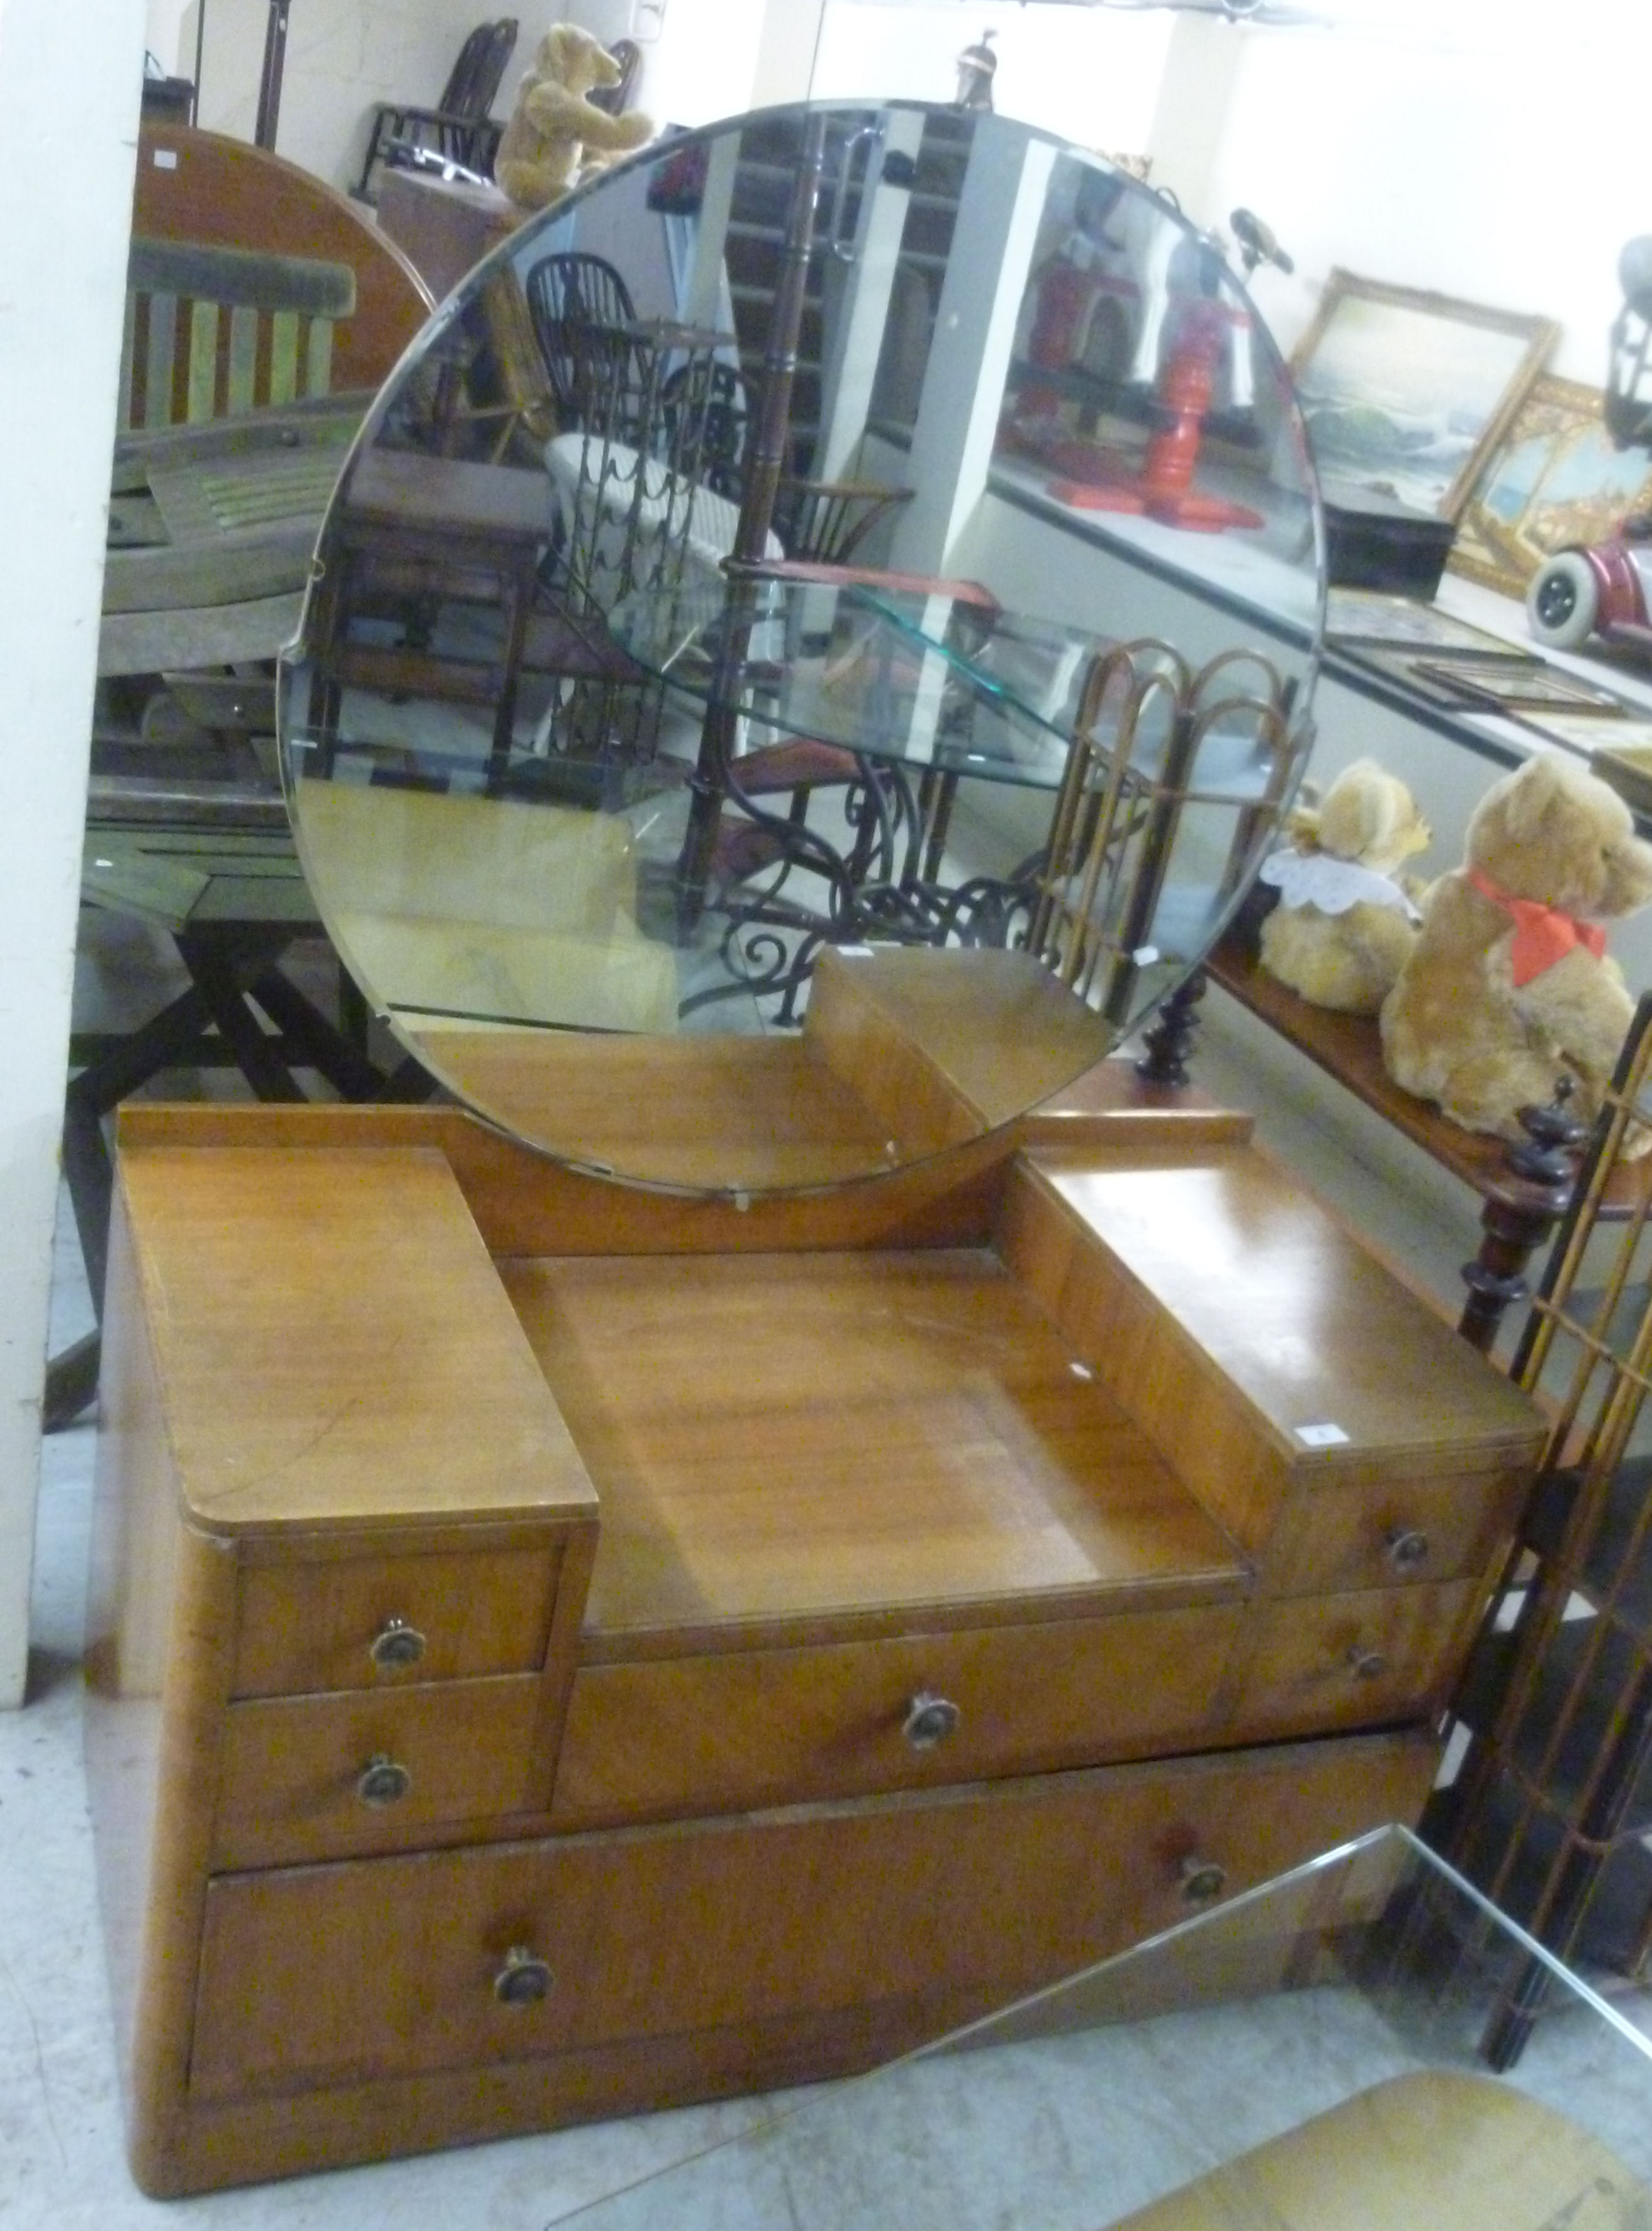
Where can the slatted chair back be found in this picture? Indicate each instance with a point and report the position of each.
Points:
(476, 75)
(576, 300)
(212, 332)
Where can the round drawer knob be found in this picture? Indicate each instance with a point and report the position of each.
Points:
(1202, 1880)
(1408, 1549)
(383, 1781)
(523, 1980)
(1366, 1665)
(396, 1645)
(929, 1720)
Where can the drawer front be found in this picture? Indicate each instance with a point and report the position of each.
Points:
(326, 1625)
(1343, 1535)
(656, 1737)
(1319, 1662)
(390, 1967)
(316, 1777)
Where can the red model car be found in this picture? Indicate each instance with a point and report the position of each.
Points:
(1600, 588)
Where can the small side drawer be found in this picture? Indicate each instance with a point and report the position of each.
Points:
(656, 1737)
(1314, 1663)
(306, 1627)
(1344, 1534)
(323, 1777)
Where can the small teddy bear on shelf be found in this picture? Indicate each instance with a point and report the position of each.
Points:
(555, 135)
(1509, 989)
(1345, 920)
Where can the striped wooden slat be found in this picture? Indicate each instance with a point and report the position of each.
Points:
(158, 360)
(128, 361)
(244, 359)
(283, 357)
(203, 397)
(318, 374)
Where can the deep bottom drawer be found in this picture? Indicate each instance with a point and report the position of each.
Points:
(393, 1967)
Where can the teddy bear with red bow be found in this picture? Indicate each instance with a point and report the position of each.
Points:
(1509, 988)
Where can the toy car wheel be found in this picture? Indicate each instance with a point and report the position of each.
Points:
(1563, 603)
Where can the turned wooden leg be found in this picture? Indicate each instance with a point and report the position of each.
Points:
(1519, 1214)
(1170, 1039)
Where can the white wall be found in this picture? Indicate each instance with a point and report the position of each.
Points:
(1508, 172)
(343, 56)
(1091, 74)
(71, 111)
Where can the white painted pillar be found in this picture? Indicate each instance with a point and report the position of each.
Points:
(67, 136)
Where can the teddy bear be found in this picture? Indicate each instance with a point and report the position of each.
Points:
(555, 135)
(1509, 988)
(1345, 920)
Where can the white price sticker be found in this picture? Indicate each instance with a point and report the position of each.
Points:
(1320, 1437)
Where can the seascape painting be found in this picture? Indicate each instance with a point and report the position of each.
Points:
(1404, 393)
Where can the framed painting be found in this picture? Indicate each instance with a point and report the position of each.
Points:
(1509, 685)
(1554, 479)
(1356, 616)
(1406, 393)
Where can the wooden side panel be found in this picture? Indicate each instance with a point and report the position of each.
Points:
(713, 1926)
(161, 1630)
(754, 1728)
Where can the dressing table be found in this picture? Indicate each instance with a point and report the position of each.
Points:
(742, 1541)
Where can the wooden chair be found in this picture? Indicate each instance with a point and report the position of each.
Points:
(574, 300)
(459, 128)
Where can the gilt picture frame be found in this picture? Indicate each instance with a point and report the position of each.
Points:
(1555, 479)
(1406, 394)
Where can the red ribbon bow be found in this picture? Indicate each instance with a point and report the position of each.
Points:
(1543, 934)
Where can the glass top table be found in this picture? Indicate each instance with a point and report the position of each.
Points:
(1316, 2055)
(935, 679)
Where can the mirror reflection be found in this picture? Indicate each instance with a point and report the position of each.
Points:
(845, 564)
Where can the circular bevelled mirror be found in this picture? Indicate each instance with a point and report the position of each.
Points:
(810, 648)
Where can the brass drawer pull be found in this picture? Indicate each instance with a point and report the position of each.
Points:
(931, 1720)
(523, 1980)
(1366, 1665)
(383, 1781)
(1408, 1549)
(396, 1645)
(1202, 1880)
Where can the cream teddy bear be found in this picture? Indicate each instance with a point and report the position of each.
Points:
(555, 135)
(1345, 919)
(1509, 988)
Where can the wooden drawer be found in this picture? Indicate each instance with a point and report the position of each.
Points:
(291, 1783)
(1351, 1660)
(315, 1976)
(650, 1738)
(312, 1626)
(1359, 1534)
